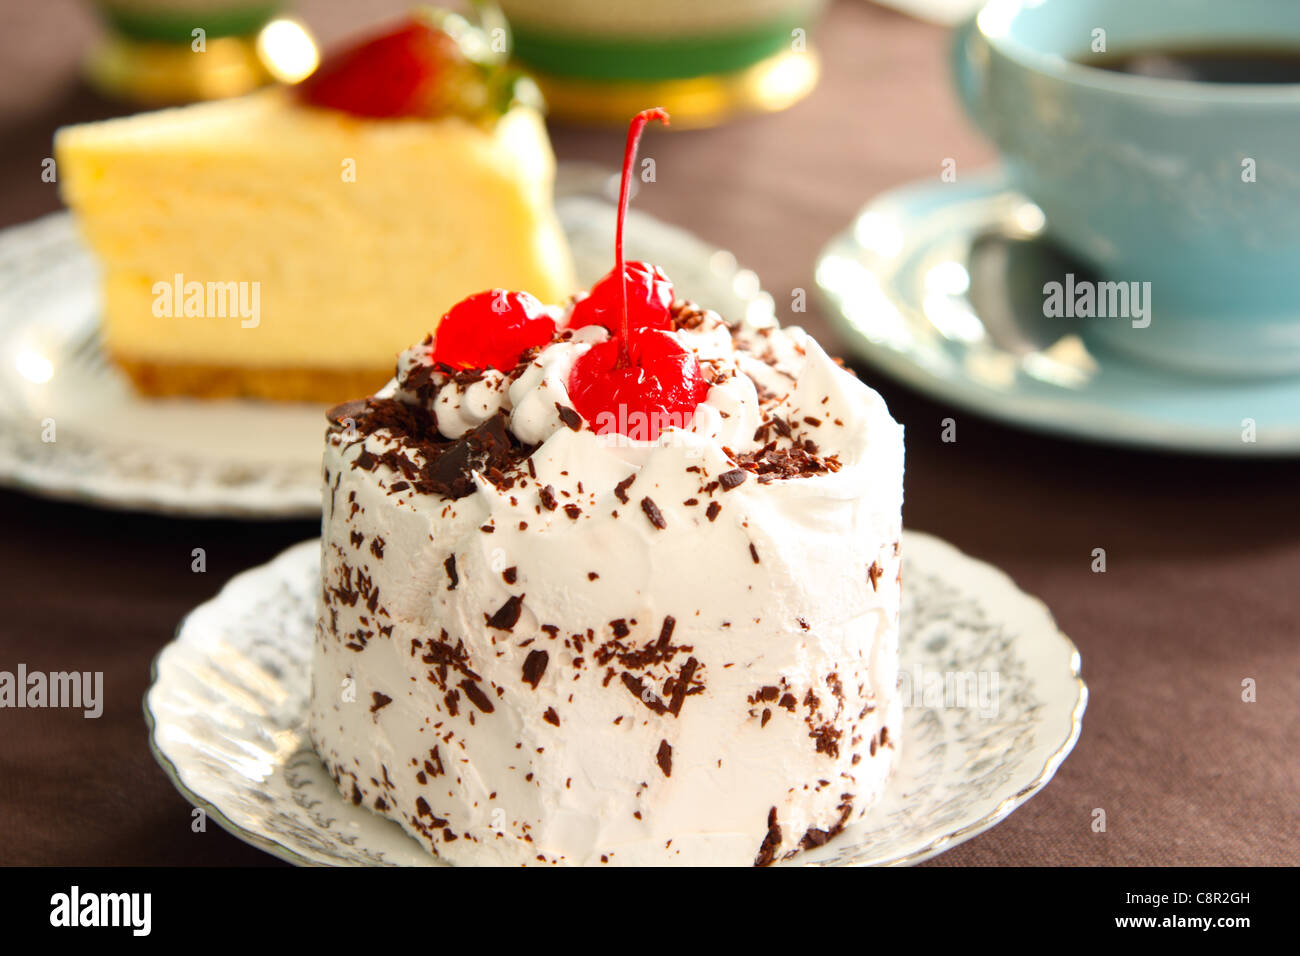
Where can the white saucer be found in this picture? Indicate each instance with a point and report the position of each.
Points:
(940, 286)
(230, 458)
(229, 698)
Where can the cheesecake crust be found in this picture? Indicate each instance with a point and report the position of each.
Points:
(274, 383)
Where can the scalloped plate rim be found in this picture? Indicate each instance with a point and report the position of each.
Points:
(934, 847)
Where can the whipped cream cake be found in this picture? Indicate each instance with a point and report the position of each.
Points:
(288, 244)
(614, 583)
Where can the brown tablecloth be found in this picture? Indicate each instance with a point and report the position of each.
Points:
(1201, 589)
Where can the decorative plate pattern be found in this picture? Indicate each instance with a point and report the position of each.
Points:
(70, 426)
(228, 705)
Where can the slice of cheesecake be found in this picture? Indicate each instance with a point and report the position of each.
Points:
(269, 246)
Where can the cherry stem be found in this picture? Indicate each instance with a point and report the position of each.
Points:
(634, 130)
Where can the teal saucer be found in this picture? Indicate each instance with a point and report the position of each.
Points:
(940, 286)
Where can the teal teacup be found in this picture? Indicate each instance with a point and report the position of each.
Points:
(1193, 187)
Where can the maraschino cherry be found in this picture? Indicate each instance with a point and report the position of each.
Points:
(415, 69)
(655, 385)
(491, 330)
(649, 300)
(641, 380)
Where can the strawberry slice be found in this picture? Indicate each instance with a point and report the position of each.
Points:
(415, 69)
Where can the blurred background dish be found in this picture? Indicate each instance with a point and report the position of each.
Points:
(936, 11)
(602, 60)
(1186, 187)
(597, 61)
(147, 52)
(940, 285)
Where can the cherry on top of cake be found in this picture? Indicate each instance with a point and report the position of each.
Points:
(434, 63)
(491, 329)
(641, 374)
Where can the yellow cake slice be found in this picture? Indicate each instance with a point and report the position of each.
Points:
(264, 247)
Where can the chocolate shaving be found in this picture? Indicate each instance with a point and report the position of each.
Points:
(682, 685)
(570, 417)
(346, 411)
(730, 479)
(638, 690)
(666, 632)
(446, 658)
(815, 837)
(507, 615)
(770, 463)
(653, 513)
(476, 696)
(767, 851)
(535, 666)
(441, 466)
(665, 758)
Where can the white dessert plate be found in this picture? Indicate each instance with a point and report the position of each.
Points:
(70, 426)
(228, 705)
(940, 285)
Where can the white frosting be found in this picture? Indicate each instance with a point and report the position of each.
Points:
(792, 585)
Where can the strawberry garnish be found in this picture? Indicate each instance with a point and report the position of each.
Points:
(416, 69)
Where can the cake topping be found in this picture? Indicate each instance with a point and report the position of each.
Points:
(528, 404)
(535, 666)
(653, 513)
(649, 299)
(637, 386)
(642, 380)
(664, 757)
(491, 329)
(436, 63)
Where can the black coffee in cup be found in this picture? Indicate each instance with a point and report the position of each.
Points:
(1204, 64)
